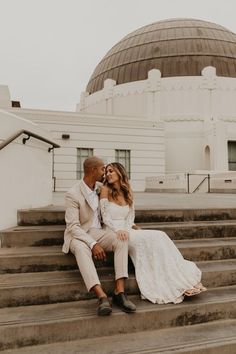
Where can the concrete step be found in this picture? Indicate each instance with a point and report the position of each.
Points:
(36, 259)
(194, 229)
(49, 287)
(55, 215)
(216, 337)
(41, 324)
(31, 236)
(51, 235)
(207, 249)
(50, 215)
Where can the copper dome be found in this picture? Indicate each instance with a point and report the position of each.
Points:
(177, 47)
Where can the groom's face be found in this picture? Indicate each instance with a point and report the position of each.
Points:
(100, 171)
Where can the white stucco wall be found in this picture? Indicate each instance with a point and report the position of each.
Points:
(170, 125)
(26, 170)
(144, 139)
(196, 111)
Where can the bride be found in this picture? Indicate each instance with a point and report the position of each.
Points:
(162, 274)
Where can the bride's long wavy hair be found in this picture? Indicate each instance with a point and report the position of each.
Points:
(124, 183)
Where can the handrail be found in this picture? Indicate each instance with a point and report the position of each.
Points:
(200, 184)
(207, 176)
(30, 134)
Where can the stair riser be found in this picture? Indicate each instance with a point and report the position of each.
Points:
(31, 239)
(36, 263)
(75, 290)
(224, 348)
(177, 232)
(33, 333)
(59, 261)
(53, 217)
(55, 238)
(197, 232)
(46, 294)
(219, 278)
(179, 215)
(209, 253)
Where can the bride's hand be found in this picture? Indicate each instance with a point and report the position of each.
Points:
(122, 235)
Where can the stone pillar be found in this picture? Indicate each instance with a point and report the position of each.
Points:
(108, 95)
(154, 95)
(81, 106)
(5, 98)
(214, 129)
(209, 85)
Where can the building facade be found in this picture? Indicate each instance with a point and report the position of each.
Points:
(161, 101)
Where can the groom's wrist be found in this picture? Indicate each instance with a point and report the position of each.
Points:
(92, 244)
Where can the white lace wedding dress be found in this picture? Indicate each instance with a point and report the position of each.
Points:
(162, 274)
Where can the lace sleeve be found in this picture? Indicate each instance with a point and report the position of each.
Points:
(106, 217)
(130, 218)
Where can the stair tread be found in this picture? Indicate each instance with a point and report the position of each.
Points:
(188, 223)
(166, 224)
(207, 242)
(28, 251)
(42, 278)
(71, 276)
(37, 228)
(87, 308)
(163, 341)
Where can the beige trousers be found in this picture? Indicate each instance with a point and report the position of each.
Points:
(107, 239)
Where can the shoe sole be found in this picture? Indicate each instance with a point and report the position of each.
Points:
(127, 311)
(104, 311)
(123, 308)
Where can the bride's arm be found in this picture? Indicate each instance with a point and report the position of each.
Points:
(130, 217)
(104, 207)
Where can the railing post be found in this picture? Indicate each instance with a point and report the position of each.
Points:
(209, 187)
(188, 183)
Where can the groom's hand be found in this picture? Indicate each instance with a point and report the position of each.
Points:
(98, 252)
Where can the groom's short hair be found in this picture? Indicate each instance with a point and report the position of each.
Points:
(92, 162)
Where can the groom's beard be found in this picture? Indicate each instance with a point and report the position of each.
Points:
(101, 179)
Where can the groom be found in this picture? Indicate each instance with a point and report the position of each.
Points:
(87, 239)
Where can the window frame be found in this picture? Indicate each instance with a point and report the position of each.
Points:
(126, 158)
(80, 160)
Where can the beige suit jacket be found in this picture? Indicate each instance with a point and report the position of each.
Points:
(78, 216)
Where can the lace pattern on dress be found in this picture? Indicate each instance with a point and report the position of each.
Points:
(108, 218)
(105, 212)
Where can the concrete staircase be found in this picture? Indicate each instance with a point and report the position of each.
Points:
(45, 308)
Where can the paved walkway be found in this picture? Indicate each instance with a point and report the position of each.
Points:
(173, 200)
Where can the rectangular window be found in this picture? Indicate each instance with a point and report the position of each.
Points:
(123, 157)
(82, 154)
(232, 155)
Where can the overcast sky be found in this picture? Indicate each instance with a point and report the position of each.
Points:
(49, 48)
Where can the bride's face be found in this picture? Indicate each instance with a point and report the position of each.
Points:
(111, 175)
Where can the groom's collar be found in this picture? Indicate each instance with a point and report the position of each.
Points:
(87, 188)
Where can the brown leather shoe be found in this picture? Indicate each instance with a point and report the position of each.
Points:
(104, 307)
(123, 302)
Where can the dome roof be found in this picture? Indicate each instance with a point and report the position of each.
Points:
(177, 47)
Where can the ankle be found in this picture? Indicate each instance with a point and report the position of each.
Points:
(97, 289)
(102, 297)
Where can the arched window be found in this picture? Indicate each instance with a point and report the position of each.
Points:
(207, 158)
